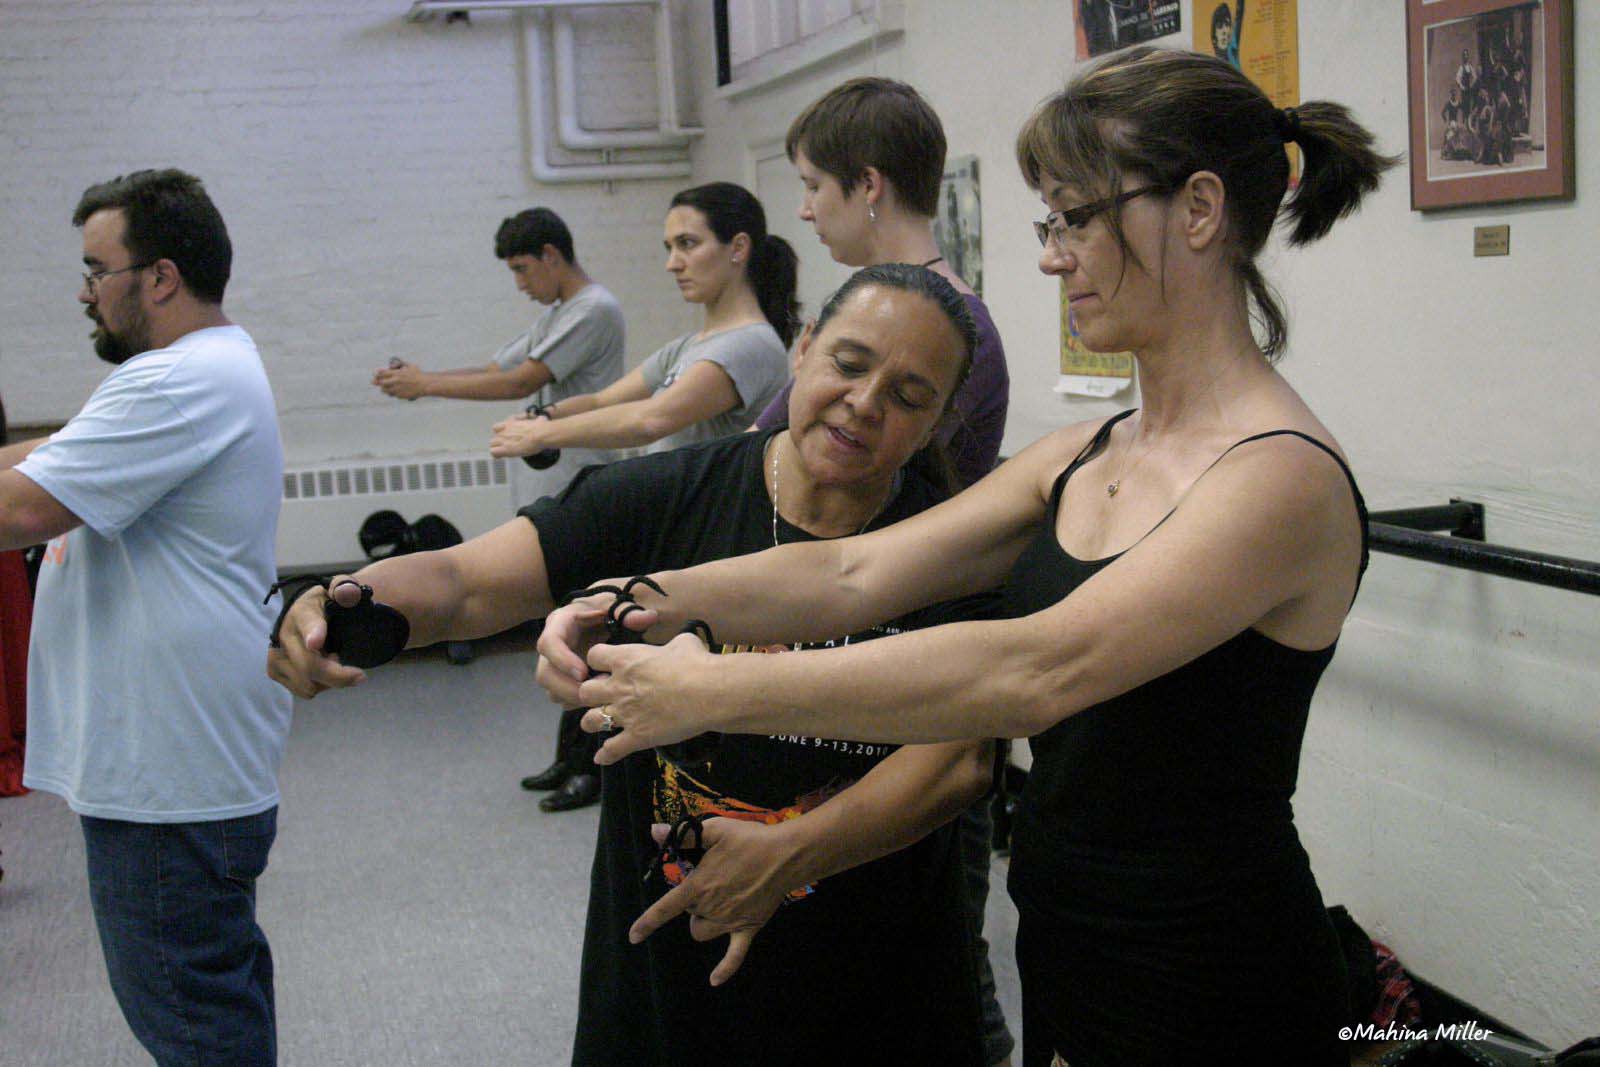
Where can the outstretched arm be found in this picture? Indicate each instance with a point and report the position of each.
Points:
(480, 587)
(524, 436)
(631, 417)
(748, 868)
(811, 591)
(1266, 539)
(491, 382)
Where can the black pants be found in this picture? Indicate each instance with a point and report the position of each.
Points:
(574, 747)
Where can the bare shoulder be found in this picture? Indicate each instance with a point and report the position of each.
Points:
(1270, 438)
(1287, 505)
(1283, 409)
(1284, 499)
(1010, 501)
(1042, 462)
(1302, 471)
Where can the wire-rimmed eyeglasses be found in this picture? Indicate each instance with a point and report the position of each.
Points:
(1071, 221)
(93, 278)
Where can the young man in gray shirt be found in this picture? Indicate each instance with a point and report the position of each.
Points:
(574, 348)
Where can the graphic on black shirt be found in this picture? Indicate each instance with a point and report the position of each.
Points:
(677, 794)
(895, 916)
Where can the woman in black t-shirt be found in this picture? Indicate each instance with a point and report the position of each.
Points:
(1175, 580)
(870, 959)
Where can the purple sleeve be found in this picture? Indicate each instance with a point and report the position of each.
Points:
(974, 435)
(777, 412)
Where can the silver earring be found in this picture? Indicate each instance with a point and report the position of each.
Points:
(872, 213)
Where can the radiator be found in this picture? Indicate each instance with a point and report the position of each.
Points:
(324, 505)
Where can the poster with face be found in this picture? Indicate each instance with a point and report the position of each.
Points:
(1261, 38)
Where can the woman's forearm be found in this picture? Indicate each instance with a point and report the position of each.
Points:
(813, 591)
(478, 588)
(572, 405)
(617, 426)
(903, 799)
(817, 590)
(421, 586)
(965, 680)
(476, 384)
(797, 592)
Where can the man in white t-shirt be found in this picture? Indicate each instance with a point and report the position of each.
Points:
(148, 711)
(574, 348)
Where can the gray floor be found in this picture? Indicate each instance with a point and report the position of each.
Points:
(421, 909)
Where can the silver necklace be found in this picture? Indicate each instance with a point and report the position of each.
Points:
(1127, 469)
(1112, 487)
(772, 444)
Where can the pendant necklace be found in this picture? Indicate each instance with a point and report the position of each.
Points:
(1113, 486)
(894, 490)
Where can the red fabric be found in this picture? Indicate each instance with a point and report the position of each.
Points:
(1397, 998)
(16, 618)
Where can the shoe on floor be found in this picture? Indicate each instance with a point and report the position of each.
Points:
(552, 777)
(579, 791)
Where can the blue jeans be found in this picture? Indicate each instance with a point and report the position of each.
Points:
(175, 904)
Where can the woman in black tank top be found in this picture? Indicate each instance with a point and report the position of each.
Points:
(1175, 581)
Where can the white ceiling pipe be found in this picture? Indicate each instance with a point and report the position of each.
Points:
(423, 9)
(572, 134)
(666, 56)
(538, 115)
(667, 75)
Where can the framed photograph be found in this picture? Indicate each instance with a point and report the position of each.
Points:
(1491, 101)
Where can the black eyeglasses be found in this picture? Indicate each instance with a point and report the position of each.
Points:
(93, 279)
(1072, 220)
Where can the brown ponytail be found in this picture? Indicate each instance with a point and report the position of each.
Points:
(1156, 115)
(1342, 165)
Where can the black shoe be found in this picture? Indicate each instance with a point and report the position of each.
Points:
(552, 777)
(580, 791)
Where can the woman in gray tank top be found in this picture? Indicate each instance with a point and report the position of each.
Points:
(705, 384)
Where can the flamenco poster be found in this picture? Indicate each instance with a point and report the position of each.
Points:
(1107, 25)
(1086, 373)
(1262, 39)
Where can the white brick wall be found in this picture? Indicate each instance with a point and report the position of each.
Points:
(362, 163)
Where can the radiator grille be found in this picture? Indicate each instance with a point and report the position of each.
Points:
(372, 479)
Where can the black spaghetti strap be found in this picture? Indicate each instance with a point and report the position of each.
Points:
(1085, 454)
(1104, 432)
(1355, 490)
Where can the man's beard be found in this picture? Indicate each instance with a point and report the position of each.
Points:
(118, 348)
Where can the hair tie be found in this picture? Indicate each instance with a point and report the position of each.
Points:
(1287, 122)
